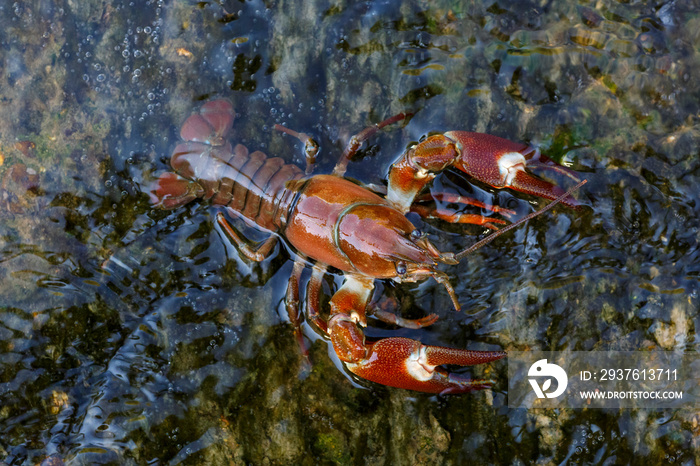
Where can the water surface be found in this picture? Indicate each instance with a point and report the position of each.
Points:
(130, 335)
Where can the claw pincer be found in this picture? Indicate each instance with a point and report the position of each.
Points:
(338, 223)
(405, 363)
(489, 159)
(396, 362)
(503, 164)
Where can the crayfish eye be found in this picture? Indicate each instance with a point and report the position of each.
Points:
(416, 234)
(401, 268)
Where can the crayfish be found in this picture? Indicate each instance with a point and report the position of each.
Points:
(334, 222)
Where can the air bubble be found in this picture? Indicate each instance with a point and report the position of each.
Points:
(100, 78)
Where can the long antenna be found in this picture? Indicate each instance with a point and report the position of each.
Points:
(498, 233)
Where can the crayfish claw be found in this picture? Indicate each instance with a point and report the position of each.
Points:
(489, 159)
(405, 363)
(501, 163)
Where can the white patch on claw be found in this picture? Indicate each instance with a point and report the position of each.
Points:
(509, 164)
(417, 365)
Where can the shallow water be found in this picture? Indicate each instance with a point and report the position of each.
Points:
(131, 335)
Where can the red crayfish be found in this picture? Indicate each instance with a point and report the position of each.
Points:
(338, 223)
